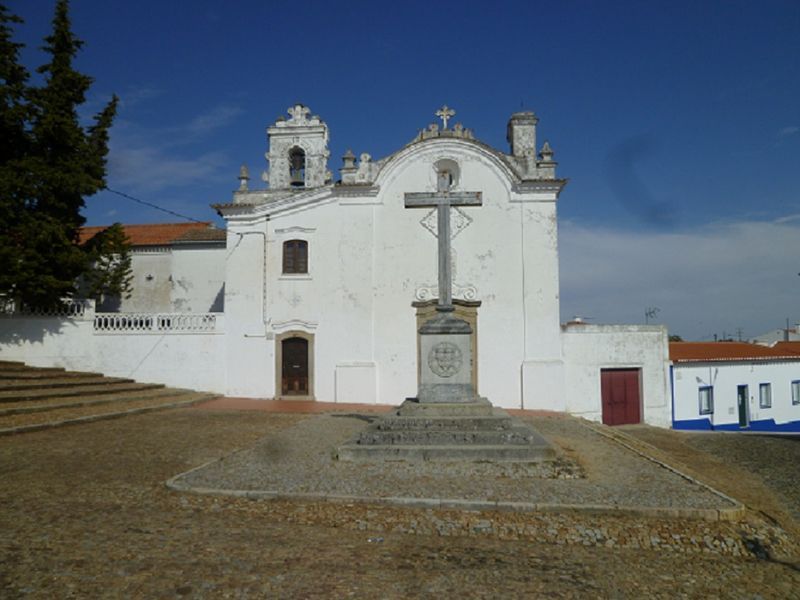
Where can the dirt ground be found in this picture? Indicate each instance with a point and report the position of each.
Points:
(84, 513)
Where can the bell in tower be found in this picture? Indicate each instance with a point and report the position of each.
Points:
(297, 167)
(298, 151)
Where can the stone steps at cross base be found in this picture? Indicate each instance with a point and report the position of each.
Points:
(77, 390)
(23, 384)
(20, 423)
(45, 404)
(464, 431)
(448, 437)
(442, 453)
(496, 422)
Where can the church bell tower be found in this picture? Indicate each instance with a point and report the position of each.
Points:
(298, 151)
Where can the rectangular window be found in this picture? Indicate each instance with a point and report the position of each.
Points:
(765, 395)
(796, 392)
(706, 397)
(295, 256)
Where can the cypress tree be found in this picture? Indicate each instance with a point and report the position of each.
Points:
(58, 163)
(14, 116)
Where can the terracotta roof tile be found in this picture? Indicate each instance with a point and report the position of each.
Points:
(790, 347)
(155, 234)
(210, 234)
(724, 351)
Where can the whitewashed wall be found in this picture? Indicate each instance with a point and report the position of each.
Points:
(725, 377)
(369, 256)
(151, 285)
(48, 341)
(590, 348)
(191, 355)
(197, 278)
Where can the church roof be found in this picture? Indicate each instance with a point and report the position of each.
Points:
(680, 352)
(158, 234)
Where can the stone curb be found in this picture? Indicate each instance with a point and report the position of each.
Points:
(101, 417)
(703, 514)
(734, 513)
(700, 514)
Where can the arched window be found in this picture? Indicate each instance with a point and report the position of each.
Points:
(297, 167)
(295, 256)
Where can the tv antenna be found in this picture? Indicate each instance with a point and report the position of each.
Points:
(650, 313)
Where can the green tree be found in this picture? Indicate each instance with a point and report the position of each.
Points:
(110, 274)
(14, 117)
(56, 164)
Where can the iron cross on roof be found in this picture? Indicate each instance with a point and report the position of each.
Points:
(442, 200)
(444, 114)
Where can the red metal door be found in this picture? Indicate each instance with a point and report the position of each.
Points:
(619, 389)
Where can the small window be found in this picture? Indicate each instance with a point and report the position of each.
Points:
(706, 397)
(295, 256)
(765, 395)
(796, 392)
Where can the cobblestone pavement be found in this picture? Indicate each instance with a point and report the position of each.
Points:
(84, 513)
(762, 470)
(590, 470)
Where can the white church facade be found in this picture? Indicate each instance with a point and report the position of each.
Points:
(326, 281)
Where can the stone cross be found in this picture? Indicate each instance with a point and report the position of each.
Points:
(442, 200)
(444, 114)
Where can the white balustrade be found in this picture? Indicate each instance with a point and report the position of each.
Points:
(155, 322)
(75, 309)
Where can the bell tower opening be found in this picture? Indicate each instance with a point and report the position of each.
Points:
(298, 151)
(297, 167)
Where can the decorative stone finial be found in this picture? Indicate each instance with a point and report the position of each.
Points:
(298, 112)
(546, 152)
(244, 177)
(349, 159)
(445, 113)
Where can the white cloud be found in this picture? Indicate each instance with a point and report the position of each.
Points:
(151, 169)
(153, 160)
(707, 280)
(787, 131)
(215, 118)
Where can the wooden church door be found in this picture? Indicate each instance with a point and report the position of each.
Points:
(294, 370)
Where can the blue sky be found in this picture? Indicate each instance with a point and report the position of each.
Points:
(677, 123)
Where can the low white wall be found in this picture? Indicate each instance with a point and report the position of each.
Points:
(590, 348)
(725, 377)
(48, 341)
(188, 360)
(177, 350)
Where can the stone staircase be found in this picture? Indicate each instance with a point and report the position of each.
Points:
(33, 398)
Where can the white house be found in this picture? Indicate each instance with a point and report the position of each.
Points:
(733, 386)
(177, 267)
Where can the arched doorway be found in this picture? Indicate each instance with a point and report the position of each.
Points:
(295, 365)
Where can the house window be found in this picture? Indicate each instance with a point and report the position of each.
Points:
(705, 395)
(796, 392)
(765, 395)
(295, 256)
